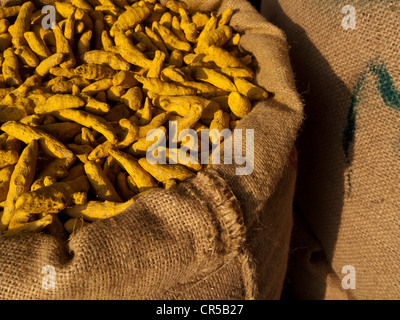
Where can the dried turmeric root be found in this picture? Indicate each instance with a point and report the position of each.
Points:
(94, 71)
(58, 102)
(34, 226)
(96, 90)
(213, 77)
(97, 210)
(7, 12)
(164, 88)
(165, 172)
(131, 18)
(239, 104)
(5, 177)
(102, 186)
(45, 66)
(20, 180)
(48, 144)
(142, 179)
(89, 120)
(123, 187)
(73, 225)
(9, 151)
(55, 170)
(51, 199)
(250, 90)
(108, 58)
(10, 68)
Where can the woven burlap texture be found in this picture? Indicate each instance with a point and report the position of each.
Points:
(217, 236)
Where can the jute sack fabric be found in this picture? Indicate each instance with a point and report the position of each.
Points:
(217, 236)
(310, 275)
(348, 186)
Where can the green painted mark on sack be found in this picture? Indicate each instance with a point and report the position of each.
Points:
(389, 94)
(349, 182)
(386, 87)
(387, 90)
(348, 134)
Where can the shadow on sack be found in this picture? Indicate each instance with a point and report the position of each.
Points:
(310, 275)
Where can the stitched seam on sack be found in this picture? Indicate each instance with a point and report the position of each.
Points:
(226, 208)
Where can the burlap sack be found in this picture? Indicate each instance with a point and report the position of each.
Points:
(310, 275)
(217, 236)
(348, 186)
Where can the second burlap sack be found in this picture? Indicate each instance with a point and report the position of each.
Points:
(345, 56)
(217, 236)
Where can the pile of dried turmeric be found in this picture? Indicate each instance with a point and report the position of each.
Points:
(78, 100)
